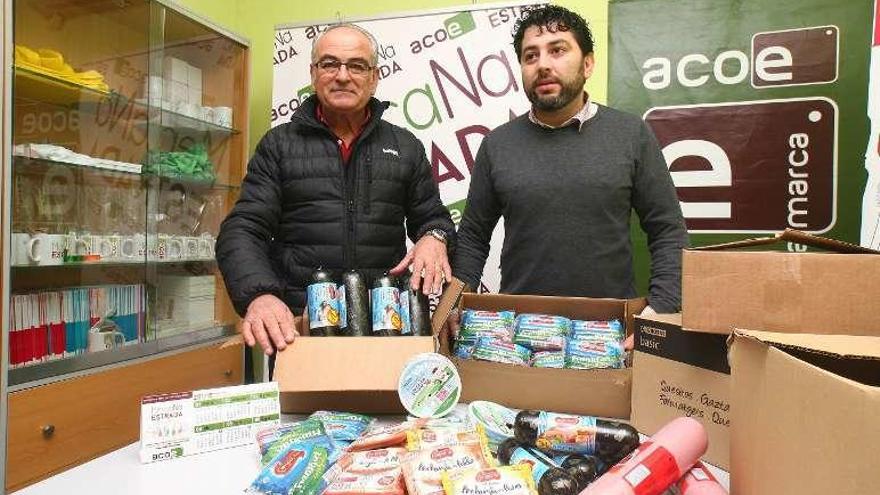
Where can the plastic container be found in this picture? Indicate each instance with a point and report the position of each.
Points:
(429, 386)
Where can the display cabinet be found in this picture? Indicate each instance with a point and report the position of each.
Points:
(127, 148)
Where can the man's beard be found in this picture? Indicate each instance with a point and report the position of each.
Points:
(566, 95)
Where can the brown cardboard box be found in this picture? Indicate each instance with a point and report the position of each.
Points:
(591, 392)
(823, 293)
(357, 374)
(678, 373)
(806, 416)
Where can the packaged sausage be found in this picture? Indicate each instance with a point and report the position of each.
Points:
(365, 462)
(431, 437)
(422, 469)
(388, 482)
(504, 480)
(384, 436)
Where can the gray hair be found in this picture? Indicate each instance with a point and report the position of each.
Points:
(374, 45)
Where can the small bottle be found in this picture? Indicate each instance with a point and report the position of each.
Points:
(549, 478)
(699, 481)
(610, 441)
(657, 464)
(385, 303)
(357, 303)
(323, 304)
(419, 310)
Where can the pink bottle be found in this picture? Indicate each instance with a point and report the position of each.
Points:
(657, 464)
(699, 481)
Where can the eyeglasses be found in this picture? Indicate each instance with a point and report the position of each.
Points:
(332, 66)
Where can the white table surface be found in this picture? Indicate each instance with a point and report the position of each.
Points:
(221, 472)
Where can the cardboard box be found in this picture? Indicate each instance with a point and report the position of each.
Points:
(357, 374)
(591, 392)
(822, 293)
(175, 70)
(806, 420)
(177, 92)
(678, 373)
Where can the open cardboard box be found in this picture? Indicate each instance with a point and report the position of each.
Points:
(678, 373)
(357, 374)
(806, 420)
(832, 292)
(604, 392)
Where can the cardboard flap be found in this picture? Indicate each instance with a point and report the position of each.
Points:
(854, 357)
(792, 235)
(447, 302)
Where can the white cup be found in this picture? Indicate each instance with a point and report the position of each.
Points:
(133, 248)
(168, 247)
(79, 245)
(103, 341)
(191, 248)
(47, 249)
(223, 116)
(20, 249)
(192, 110)
(206, 114)
(206, 246)
(110, 248)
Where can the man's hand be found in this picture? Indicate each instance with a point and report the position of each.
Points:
(629, 343)
(429, 254)
(268, 318)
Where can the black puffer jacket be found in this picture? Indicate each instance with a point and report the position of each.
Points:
(300, 207)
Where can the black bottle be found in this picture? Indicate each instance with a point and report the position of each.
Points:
(419, 308)
(610, 441)
(323, 304)
(385, 305)
(549, 478)
(585, 468)
(357, 303)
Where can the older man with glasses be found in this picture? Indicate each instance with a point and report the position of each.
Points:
(337, 187)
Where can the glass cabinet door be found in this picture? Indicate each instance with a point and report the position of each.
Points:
(196, 92)
(128, 142)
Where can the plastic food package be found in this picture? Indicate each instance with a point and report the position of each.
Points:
(297, 469)
(593, 329)
(431, 437)
(539, 323)
(500, 351)
(504, 480)
(548, 359)
(589, 354)
(422, 469)
(475, 323)
(464, 349)
(385, 436)
(389, 482)
(342, 426)
(495, 419)
(272, 444)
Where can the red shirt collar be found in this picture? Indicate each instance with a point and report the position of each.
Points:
(344, 149)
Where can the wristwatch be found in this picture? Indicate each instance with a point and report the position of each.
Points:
(438, 234)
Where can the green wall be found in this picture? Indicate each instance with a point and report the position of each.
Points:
(256, 19)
